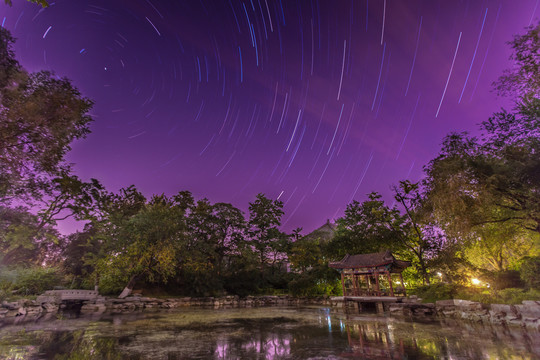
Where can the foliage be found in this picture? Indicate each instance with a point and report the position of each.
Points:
(315, 282)
(372, 226)
(498, 247)
(515, 296)
(495, 179)
(364, 228)
(147, 243)
(434, 292)
(499, 280)
(305, 254)
(266, 238)
(40, 116)
(24, 240)
(484, 192)
(28, 281)
(444, 291)
(530, 272)
(43, 3)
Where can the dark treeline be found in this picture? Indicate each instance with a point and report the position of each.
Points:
(476, 213)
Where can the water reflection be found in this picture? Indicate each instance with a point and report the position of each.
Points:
(264, 333)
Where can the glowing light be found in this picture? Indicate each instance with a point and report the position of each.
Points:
(475, 281)
(439, 274)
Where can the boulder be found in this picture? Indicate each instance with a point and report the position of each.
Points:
(49, 308)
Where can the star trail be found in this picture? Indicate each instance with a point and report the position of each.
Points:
(313, 102)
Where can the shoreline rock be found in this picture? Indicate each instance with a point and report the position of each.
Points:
(525, 315)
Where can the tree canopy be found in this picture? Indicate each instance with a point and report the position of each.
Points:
(41, 115)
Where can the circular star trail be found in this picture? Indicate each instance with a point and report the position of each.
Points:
(314, 102)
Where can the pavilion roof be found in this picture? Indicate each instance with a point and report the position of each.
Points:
(369, 261)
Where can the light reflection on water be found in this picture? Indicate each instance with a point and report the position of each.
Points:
(261, 333)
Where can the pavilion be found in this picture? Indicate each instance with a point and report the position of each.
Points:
(370, 274)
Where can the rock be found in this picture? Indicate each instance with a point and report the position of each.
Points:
(93, 308)
(49, 308)
(14, 305)
(444, 303)
(529, 310)
(34, 310)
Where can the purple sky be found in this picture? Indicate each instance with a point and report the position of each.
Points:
(312, 102)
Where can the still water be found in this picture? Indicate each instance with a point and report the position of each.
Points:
(260, 333)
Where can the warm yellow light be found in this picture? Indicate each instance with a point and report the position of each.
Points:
(475, 281)
(439, 274)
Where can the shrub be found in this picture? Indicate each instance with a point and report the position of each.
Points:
(316, 282)
(530, 272)
(434, 292)
(28, 281)
(516, 296)
(504, 279)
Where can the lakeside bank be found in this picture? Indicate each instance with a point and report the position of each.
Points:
(525, 315)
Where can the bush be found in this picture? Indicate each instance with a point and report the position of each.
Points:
(516, 296)
(318, 281)
(28, 281)
(434, 292)
(442, 291)
(504, 279)
(530, 272)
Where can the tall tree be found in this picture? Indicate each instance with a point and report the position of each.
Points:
(147, 245)
(263, 227)
(40, 117)
(364, 228)
(485, 191)
(414, 231)
(24, 240)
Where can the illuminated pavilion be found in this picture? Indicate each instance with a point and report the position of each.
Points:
(371, 274)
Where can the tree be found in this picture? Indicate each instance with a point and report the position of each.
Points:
(522, 82)
(306, 254)
(215, 239)
(24, 240)
(416, 234)
(107, 230)
(485, 192)
(78, 253)
(264, 219)
(372, 226)
(364, 228)
(148, 244)
(40, 117)
(530, 271)
(498, 247)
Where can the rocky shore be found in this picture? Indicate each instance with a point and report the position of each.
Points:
(526, 314)
(25, 308)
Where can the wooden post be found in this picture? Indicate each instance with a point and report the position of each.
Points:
(390, 282)
(378, 289)
(402, 285)
(368, 281)
(343, 282)
(355, 285)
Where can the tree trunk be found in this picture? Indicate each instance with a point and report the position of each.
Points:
(425, 275)
(129, 287)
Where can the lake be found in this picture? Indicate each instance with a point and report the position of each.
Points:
(260, 333)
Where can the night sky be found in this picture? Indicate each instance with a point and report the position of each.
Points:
(312, 102)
